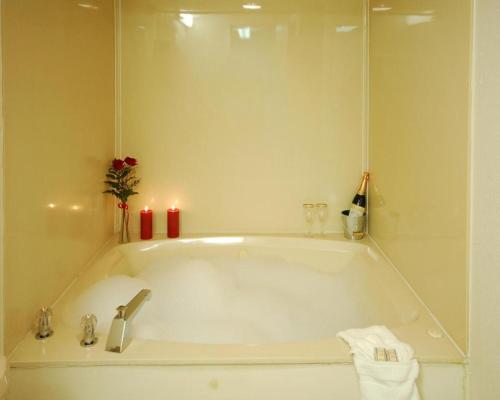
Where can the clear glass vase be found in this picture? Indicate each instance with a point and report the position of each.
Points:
(124, 236)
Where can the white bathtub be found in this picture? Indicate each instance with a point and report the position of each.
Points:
(239, 334)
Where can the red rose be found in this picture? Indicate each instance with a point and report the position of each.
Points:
(131, 161)
(118, 164)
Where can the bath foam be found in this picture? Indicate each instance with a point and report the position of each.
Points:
(102, 299)
(231, 300)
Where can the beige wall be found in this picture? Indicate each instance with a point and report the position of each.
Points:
(59, 135)
(485, 216)
(245, 115)
(419, 73)
(2, 213)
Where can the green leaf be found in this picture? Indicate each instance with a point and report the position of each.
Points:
(113, 192)
(114, 185)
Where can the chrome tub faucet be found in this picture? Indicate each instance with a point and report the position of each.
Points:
(119, 333)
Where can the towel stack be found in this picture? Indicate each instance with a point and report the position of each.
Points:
(386, 367)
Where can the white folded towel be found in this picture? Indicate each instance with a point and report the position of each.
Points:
(382, 380)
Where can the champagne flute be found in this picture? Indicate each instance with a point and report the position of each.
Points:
(322, 211)
(309, 217)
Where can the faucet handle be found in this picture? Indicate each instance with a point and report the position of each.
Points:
(88, 323)
(44, 323)
(122, 310)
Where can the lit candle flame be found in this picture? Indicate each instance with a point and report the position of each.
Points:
(146, 208)
(173, 207)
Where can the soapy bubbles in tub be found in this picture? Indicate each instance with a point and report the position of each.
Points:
(102, 299)
(226, 300)
(188, 288)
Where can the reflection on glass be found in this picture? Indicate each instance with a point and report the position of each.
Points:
(187, 19)
(245, 33)
(88, 5)
(381, 7)
(252, 6)
(345, 28)
(418, 19)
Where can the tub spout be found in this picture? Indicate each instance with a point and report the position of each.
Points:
(119, 334)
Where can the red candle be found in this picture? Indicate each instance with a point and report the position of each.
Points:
(173, 222)
(146, 224)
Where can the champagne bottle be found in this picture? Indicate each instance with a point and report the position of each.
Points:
(358, 206)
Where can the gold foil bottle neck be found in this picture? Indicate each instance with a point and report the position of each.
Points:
(364, 183)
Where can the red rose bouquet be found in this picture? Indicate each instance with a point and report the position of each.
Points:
(120, 182)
